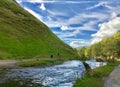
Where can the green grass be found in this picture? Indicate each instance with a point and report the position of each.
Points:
(22, 36)
(10, 82)
(40, 63)
(45, 62)
(95, 80)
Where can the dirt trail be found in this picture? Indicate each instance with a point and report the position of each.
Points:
(114, 78)
(14, 63)
(8, 63)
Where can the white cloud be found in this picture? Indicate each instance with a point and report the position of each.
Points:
(56, 13)
(89, 26)
(75, 19)
(34, 13)
(79, 18)
(99, 16)
(64, 27)
(63, 35)
(18, 1)
(114, 11)
(37, 1)
(113, 15)
(106, 29)
(98, 5)
(76, 2)
(54, 1)
(51, 23)
(42, 7)
(78, 44)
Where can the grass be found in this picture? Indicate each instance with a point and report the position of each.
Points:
(10, 82)
(22, 36)
(45, 62)
(41, 63)
(94, 79)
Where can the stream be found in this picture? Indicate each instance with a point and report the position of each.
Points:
(63, 75)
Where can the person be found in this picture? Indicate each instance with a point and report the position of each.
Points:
(51, 56)
(59, 56)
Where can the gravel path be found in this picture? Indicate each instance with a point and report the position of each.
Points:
(8, 63)
(114, 78)
(14, 63)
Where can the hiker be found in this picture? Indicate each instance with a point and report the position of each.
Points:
(51, 56)
(59, 56)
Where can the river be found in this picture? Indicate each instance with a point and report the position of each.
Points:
(63, 75)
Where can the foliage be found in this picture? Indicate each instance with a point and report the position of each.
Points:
(108, 48)
(20, 83)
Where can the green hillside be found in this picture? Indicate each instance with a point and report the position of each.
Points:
(108, 48)
(23, 36)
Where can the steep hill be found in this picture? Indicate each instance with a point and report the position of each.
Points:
(23, 36)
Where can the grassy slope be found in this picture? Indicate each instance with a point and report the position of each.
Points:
(23, 36)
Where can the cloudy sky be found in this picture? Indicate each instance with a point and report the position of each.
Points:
(77, 22)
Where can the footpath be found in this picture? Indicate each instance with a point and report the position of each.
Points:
(114, 78)
(14, 63)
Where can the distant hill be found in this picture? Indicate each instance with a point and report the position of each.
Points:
(23, 36)
(108, 48)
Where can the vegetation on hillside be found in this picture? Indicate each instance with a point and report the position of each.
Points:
(108, 48)
(23, 36)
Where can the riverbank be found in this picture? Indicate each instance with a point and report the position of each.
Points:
(96, 77)
(25, 62)
(38, 62)
(8, 63)
(41, 63)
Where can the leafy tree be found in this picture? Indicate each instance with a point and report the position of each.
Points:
(108, 48)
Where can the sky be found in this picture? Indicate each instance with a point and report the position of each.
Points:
(78, 23)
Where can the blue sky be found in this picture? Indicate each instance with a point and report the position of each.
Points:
(78, 23)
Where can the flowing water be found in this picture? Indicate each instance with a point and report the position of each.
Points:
(63, 75)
